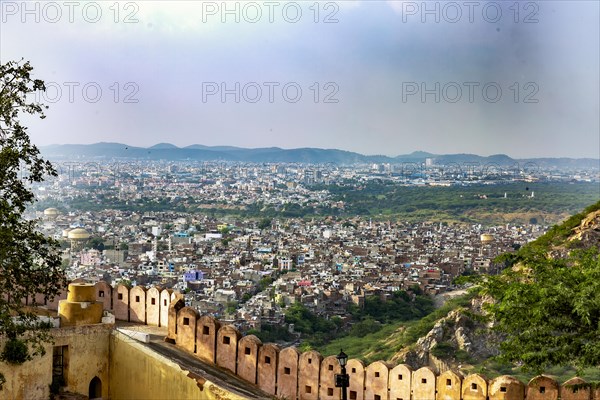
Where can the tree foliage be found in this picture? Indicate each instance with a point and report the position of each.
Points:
(264, 223)
(97, 243)
(272, 333)
(398, 307)
(307, 322)
(549, 310)
(385, 201)
(29, 261)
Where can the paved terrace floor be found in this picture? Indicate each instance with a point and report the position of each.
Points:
(188, 362)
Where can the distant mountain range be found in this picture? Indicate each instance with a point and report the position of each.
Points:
(170, 152)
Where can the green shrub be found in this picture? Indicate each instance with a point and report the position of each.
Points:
(363, 328)
(15, 352)
(443, 350)
(463, 356)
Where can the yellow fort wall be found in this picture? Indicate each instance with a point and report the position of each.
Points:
(29, 380)
(87, 357)
(137, 372)
(310, 376)
(128, 370)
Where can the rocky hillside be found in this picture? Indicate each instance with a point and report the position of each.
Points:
(579, 231)
(463, 339)
(587, 233)
(455, 342)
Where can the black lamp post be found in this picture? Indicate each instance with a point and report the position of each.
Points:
(342, 380)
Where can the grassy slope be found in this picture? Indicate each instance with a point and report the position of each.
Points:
(391, 338)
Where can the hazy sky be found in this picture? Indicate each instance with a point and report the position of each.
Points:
(376, 77)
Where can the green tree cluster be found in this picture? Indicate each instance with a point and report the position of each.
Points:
(548, 306)
(231, 307)
(264, 223)
(549, 310)
(96, 243)
(399, 307)
(30, 262)
(272, 333)
(307, 322)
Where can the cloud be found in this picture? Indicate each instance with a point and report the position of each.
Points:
(170, 48)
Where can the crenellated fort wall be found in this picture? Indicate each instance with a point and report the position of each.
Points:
(287, 373)
(136, 304)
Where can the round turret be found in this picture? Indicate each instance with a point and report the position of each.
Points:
(78, 237)
(487, 238)
(78, 234)
(51, 213)
(80, 307)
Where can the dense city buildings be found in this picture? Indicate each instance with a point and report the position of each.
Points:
(246, 271)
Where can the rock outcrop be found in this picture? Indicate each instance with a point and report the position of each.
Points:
(588, 231)
(454, 341)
